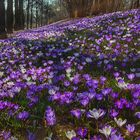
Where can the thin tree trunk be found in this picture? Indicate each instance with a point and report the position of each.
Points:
(36, 14)
(21, 15)
(28, 11)
(2, 20)
(137, 4)
(9, 16)
(16, 26)
(42, 12)
(31, 19)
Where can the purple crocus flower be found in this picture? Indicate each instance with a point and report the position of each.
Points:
(23, 115)
(6, 135)
(137, 114)
(31, 136)
(119, 104)
(106, 91)
(77, 113)
(103, 79)
(99, 97)
(87, 77)
(50, 116)
(116, 137)
(116, 74)
(130, 128)
(114, 95)
(55, 96)
(131, 76)
(76, 79)
(84, 101)
(136, 94)
(67, 97)
(82, 132)
(66, 83)
(113, 113)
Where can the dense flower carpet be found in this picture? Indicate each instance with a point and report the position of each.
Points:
(78, 80)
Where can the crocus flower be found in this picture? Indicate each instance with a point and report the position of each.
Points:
(122, 84)
(130, 128)
(103, 79)
(84, 101)
(50, 116)
(114, 95)
(119, 104)
(82, 132)
(99, 97)
(116, 137)
(70, 134)
(106, 91)
(31, 136)
(107, 131)
(96, 114)
(6, 135)
(23, 115)
(113, 113)
(77, 113)
(116, 74)
(131, 76)
(137, 114)
(66, 83)
(120, 122)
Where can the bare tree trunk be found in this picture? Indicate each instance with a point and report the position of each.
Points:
(137, 4)
(2, 20)
(21, 15)
(31, 19)
(9, 16)
(42, 12)
(28, 11)
(36, 14)
(16, 26)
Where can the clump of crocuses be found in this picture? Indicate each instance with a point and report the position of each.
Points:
(50, 116)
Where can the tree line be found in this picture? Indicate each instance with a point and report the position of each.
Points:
(24, 14)
(82, 8)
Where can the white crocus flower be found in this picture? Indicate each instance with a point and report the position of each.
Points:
(52, 91)
(112, 41)
(107, 131)
(88, 60)
(94, 113)
(120, 122)
(28, 79)
(121, 83)
(70, 134)
(133, 69)
(1, 74)
(10, 84)
(23, 70)
(69, 70)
